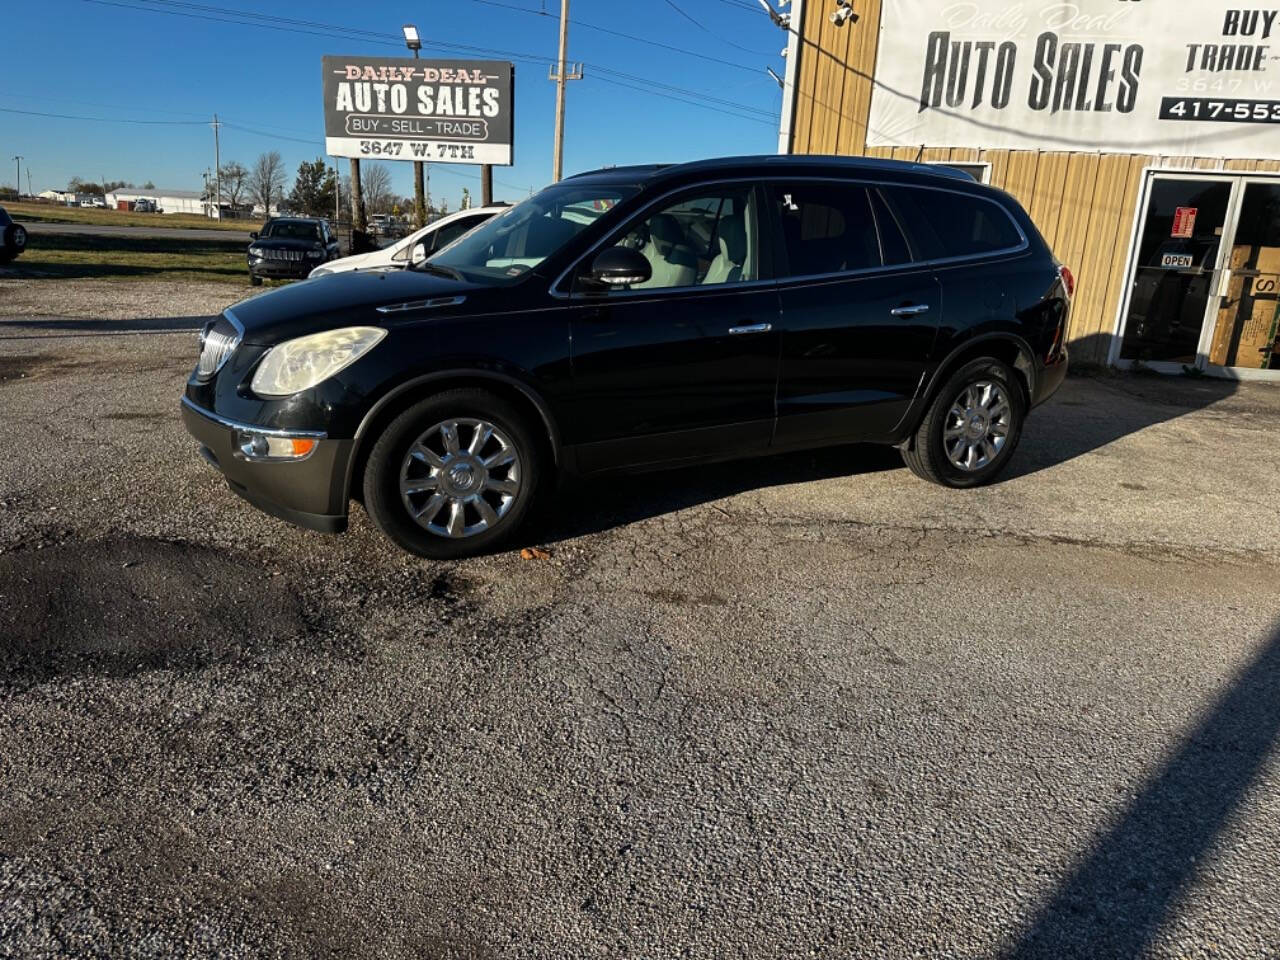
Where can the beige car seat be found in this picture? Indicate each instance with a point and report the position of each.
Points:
(669, 254)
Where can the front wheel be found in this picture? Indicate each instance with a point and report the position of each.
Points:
(454, 475)
(255, 281)
(971, 428)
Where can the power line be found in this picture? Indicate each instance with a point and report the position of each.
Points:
(67, 116)
(703, 27)
(207, 12)
(625, 36)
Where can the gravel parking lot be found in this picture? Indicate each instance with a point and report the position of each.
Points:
(805, 706)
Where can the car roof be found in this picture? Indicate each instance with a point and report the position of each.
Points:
(770, 164)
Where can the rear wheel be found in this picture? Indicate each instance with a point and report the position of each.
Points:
(972, 427)
(454, 475)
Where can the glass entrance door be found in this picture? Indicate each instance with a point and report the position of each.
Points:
(1176, 272)
(1245, 336)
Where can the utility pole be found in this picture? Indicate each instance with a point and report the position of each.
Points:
(486, 185)
(337, 197)
(561, 77)
(414, 42)
(217, 168)
(17, 185)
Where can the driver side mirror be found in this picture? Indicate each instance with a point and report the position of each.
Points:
(620, 267)
(419, 254)
(254, 235)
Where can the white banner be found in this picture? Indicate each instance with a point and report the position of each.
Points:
(1165, 77)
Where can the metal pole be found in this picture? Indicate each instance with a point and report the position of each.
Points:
(357, 200)
(419, 188)
(217, 167)
(17, 186)
(486, 185)
(561, 79)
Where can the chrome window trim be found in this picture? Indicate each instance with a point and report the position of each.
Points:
(768, 179)
(249, 427)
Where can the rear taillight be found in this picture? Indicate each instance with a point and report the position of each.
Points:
(1068, 280)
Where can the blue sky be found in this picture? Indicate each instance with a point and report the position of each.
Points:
(129, 59)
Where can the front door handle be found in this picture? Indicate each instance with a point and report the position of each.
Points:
(754, 328)
(910, 311)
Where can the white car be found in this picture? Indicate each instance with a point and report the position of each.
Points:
(434, 236)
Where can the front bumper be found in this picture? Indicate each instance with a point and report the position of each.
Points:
(310, 493)
(283, 269)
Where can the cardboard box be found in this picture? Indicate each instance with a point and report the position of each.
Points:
(1247, 324)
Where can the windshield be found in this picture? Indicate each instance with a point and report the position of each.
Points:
(290, 230)
(517, 240)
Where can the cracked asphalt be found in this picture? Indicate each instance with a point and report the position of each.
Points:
(802, 706)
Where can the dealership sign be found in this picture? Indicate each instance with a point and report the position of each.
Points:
(1165, 77)
(440, 111)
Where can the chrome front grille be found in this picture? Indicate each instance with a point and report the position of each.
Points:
(292, 256)
(218, 341)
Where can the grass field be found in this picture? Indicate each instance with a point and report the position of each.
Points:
(130, 258)
(52, 213)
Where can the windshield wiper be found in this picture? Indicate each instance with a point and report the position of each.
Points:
(438, 270)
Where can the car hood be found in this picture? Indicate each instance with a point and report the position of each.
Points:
(346, 300)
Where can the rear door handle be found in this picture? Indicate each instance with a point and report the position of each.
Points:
(754, 328)
(910, 311)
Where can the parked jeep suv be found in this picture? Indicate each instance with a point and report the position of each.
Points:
(288, 248)
(638, 318)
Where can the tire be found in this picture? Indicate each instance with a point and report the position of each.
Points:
(453, 478)
(17, 239)
(998, 427)
(255, 281)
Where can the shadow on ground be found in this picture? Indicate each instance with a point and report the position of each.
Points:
(1117, 900)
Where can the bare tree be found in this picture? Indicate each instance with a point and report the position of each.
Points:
(234, 179)
(266, 180)
(375, 182)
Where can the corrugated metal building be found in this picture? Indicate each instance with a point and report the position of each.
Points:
(166, 201)
(1176, 247)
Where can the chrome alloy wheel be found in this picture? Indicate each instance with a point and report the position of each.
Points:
(977, 426)
(460, 478)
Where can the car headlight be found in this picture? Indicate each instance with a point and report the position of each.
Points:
(255, 251)
(300, 364)
(315, 254)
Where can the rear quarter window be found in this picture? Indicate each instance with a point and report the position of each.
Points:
(941, 224)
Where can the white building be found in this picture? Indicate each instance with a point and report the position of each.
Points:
(166, 201)
(60, 196)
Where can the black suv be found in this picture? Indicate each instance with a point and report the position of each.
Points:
(289, 248)
(636, 318)
(13, 237)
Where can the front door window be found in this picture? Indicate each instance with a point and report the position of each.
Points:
(1175, 275)
(1246, 333)
(701, 240)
